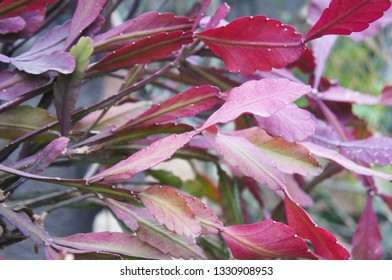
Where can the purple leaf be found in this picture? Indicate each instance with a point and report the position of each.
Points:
(171, 209)
(262, 98)
(343, 17)
(222, 11)
(297, 193)
(345, 162)
(367, 240)
(324, 243)
(146, 158)
(340, 94)
(85, 14)
(186, 104)
(377, 150)
(111, 243)
(146, 24)
(153, 233)
(12, 25)
(143, 51)
(288, 157)
(265, 240)
(10, 8)
(291, 123)
(248, 158)
(254, 43)
(210, 223)
(57, 61)
(34, 20)
(321, 50)
(66, 89)
(14, 84)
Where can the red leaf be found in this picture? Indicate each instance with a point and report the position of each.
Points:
(306, 62)
(324, 243)
(367, 240)
(265, 240)
(11, 8)
(171, 209)
(210, 223)
(187, 104)
(146, 158)
(143, 51)
(387, 199)
(343, 17)
(262, 98)
(144, 25)
(254, 43)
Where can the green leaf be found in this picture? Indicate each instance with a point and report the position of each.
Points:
(23, 119)
(165, 177)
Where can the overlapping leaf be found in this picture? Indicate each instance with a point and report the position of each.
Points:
(373, 150)
(85, 14)
(143, 51)
(186, 104)
(66, 89)
(324, 243)
(248, 158)
(262, 98)
(10, 8)
(345, 162)
(171, 209)
(289, 157)
(11, 25)
(144, 159)
(14, 84)
(23, 119)
(153, 233)
(343, 17)
(367, 240)
(254, 43)
(144, 25)
(291, 123)
(340, 94)
(265, 240)
(110, 243)
(209, 222)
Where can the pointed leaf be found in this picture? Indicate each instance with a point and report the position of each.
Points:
(262, 98)
(116, 115)
(367, 240)
(146, 158)
(377, 150)
(153, 233)
(23, 119)
(297, 193)
(291, 123)
(10, 8)
(112, 243)
(248, 158)
(218, 17)
(210, 223)
(265, 240)
(66, 89)
(345, 162)
(171, 209)
(85, 14)
(289, 157)
(144, 51)
(254, 43)
(144, 25)
(387, 199)
(343, 17)
(340, 94)
(324, 243)
(14, 84)
(186, 104)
